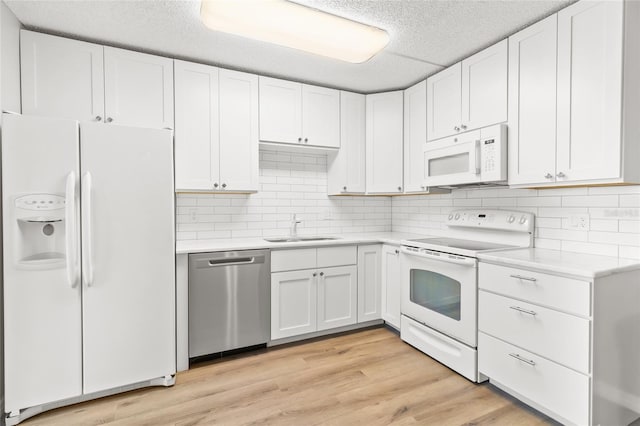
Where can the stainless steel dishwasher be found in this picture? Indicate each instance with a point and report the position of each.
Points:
(229, 300)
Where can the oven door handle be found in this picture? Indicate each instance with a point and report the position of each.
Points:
(443, 257)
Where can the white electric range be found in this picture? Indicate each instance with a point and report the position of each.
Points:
(440, 283)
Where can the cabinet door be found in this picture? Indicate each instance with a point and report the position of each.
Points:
(415, 136)
(196, 133)
(293, 303)
(369, 282)
(320, 116)
(391, 285)
(238, 158)
(346, 171)
(61, 77)
(280, 111)
(532, 103)
(589, 90)
(444, 103)
(484, 87)
(384, 142)
(138, 89)
(337, 297)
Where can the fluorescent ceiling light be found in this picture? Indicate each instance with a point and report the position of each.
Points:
(293, 25)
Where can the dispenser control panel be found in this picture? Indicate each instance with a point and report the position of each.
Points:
(40, 202)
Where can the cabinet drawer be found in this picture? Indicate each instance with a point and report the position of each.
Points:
(560, 337)
(566, 294)
(289, 260)
(558, 389)
(337, 256)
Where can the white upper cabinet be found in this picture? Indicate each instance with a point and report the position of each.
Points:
(61, 77)
(88, 82)
(384, 142)
(280, 111)
(468, 95)
(216, 133)
(590, 36)
(138, 88)
(574, 118)
(415, 136)
(197, 130)
(444, 99)
(532, 103)
(238, 159)
(296, 113)
(321, 116)
(346, 170)
(484, 87)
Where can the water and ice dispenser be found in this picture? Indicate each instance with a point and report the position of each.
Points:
(41, 230)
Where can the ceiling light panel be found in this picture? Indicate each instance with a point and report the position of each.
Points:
(292, 25)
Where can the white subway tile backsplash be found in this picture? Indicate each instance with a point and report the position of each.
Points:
(296, 183)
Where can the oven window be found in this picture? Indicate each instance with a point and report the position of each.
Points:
(435, 292)
(452, 164)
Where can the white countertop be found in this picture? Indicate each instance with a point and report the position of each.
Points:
(561, 262)
(202, 246)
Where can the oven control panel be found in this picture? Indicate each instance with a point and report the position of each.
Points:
(492, 219)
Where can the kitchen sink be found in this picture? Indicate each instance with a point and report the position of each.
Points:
(299, 239)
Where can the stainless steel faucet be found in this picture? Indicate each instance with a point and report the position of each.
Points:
(295, 220)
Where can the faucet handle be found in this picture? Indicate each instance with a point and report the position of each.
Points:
(296, 219)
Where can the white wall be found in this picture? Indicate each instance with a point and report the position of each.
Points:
(289, 183)
(613, 212)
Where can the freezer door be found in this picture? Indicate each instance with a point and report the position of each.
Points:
(42, 312)
(128, 251)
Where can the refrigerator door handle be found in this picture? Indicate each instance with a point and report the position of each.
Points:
(71, 230)
(87, 261)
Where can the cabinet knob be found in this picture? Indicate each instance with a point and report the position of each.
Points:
(315, 274)
(224, 185)
(215, 185)
(463, 127)
(344, 188)
(321, 274)
(397, 251)
(456, 128)
(306, 140)
(109, 120)
(400, 188)
(548, 176)
(299, 139)
(98, 118)
(560, 175)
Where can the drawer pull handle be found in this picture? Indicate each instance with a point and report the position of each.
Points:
(519, 358)
(524, 311)
(520, 277)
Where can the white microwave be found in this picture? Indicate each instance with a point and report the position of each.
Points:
(475, 157)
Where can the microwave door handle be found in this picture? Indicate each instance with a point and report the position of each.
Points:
(478, 162)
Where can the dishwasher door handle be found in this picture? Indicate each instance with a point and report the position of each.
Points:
(232, 261)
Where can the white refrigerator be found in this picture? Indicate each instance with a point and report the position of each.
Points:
(89, 261)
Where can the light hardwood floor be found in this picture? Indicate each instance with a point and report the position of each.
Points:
(368, 378)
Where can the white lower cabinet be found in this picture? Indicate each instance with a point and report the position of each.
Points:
(390, 288)
(337, 297)
(320, 297)
(293, 303)
(562, 344)
(369, 282)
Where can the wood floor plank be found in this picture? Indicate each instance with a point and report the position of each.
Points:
(369, 377)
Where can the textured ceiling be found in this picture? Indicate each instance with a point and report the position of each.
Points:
(426, 35)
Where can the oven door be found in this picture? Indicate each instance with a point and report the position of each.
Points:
(440, 291)
(453, 161)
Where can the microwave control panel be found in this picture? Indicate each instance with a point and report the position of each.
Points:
(493, 150)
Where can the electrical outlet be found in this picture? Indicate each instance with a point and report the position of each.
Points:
(193, 215)
(579, 221)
